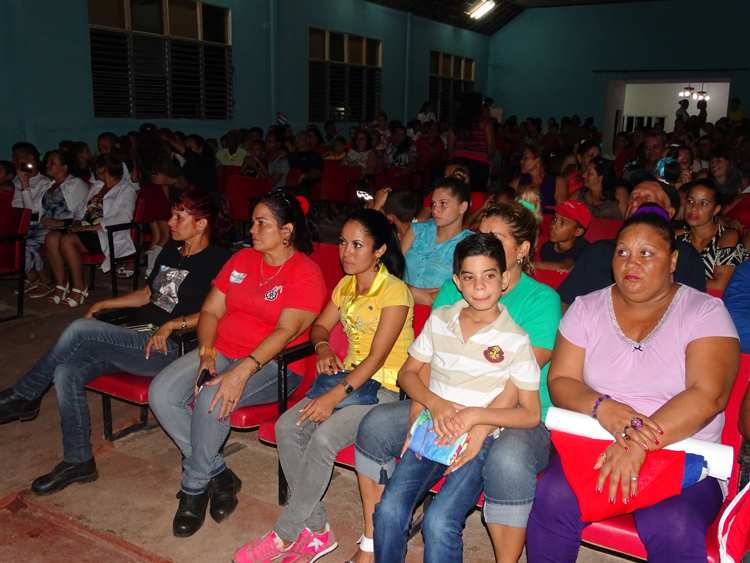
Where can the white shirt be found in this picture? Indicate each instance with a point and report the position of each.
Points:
(118, 207)
(31, 197)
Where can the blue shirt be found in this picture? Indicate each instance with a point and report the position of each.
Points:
(737, 301)
(429, 264)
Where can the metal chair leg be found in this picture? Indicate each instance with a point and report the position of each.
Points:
(107, 417)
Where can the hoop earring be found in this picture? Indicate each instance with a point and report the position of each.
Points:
(285, 242)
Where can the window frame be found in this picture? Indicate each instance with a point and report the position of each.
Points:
(447, 78)
(363, 65)
(131, 34)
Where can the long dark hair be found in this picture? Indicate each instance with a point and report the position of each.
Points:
(604, 169)
(203, 205)
(383, 233)
(286, 209)
(468, 113)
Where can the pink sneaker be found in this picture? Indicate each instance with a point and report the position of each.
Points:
(311, 546)
(261, 550)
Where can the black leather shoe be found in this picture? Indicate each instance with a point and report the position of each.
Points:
(190, 514)
(63, 475)
(223, 491)
(13, 407)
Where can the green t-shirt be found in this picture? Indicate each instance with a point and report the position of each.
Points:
(535, 307)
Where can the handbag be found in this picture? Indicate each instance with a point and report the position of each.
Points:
(365, 394)
(423, 441)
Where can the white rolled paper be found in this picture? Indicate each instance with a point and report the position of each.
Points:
(719, 457)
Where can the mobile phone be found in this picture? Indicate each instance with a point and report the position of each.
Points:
(203, 378)
(364, 196)
(27, 166)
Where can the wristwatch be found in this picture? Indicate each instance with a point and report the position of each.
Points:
(347, 386)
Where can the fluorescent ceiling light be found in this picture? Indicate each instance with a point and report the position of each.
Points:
(480, 9)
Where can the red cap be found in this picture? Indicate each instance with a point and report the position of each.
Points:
(575, 210)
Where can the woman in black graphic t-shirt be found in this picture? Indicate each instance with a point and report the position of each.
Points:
(88, 348)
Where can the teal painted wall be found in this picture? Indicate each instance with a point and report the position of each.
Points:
(44, 52)
(542, 63)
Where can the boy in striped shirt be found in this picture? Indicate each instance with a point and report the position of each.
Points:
(483, 377)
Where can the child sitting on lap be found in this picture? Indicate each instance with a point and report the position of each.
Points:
(483, 376)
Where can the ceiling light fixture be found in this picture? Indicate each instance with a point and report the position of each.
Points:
(687, 92)
(480, 9)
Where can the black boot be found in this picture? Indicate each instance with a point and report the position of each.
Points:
(223, 491)
(14, 407)
(190, 514)
(63, 475)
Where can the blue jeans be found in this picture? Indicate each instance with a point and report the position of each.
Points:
(198, 433)
(444, 520)
(516, 457)
(85, 350)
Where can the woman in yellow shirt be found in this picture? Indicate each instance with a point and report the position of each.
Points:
(375, 308)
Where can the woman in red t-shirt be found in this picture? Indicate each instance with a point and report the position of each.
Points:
(263, 300)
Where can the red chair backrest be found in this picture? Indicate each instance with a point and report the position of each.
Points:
(335, 182)
(730, 434)
(477, 200)
(13, 221)
(716, 292)
(603, 229)
(326, 256)
(223, 173)
(242, 189)
(293, 177)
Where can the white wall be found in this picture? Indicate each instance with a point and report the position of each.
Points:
(661, 99)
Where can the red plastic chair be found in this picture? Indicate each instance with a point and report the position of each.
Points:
(619, 534)
(241, 191)
(336, 182)
(14, 226)
(716, 293)
(326, 256)
(603, 229)
(223, 173)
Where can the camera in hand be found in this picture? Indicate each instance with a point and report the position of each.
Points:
(203, 378)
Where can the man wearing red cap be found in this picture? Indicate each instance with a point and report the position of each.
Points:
(566, 242)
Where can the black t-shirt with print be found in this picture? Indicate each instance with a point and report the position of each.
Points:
(179, 284)
(549, 254)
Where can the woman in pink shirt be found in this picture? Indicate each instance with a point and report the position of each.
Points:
(653, 361)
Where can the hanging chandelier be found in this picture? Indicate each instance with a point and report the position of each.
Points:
(688, 92)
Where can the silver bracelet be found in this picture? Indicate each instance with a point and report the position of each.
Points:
(315, 348)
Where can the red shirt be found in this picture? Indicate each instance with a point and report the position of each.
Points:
(253, 307)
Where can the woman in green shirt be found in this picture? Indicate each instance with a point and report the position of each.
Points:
(517, 455)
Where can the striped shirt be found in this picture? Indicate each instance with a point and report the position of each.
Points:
(474, 372)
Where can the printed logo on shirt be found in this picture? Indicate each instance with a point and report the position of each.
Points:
(494, 354)
(273, 293)
(237, 277)
(166, 287)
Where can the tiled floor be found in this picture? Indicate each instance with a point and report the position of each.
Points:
(134, 498)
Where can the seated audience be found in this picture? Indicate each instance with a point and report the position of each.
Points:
(574, 166)
(599, 193)
(566, 243)
(375, 309)
(737, 300)
(255, 161)
(361, 154)
(401, 152)
(426, 113)
(593, 268)
(725, 175)
(518, 454)
(468, 391)
(650, 152)
(337, 151)
(400, 208)
(277, 159)
(552, 189)
(232, 153)
(428, 246)
(199, 167)
(719, 247)
(111, 201)
(89, 348)
(82, 162)
(431, 150)
(653, 361)
(307, 161)
(62, 203)
(264, 299)
(472, 139)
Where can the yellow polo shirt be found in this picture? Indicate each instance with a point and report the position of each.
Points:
(360, 315)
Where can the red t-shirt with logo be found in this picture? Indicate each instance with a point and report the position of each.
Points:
(254, 304)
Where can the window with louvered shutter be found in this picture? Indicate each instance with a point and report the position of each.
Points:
(450, 75)
(157, 74)
(344, 76)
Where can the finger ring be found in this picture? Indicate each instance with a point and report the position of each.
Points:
(636, 422)
(634, 477)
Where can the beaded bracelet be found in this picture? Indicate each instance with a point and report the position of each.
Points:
(258, 365)
(598, 402)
